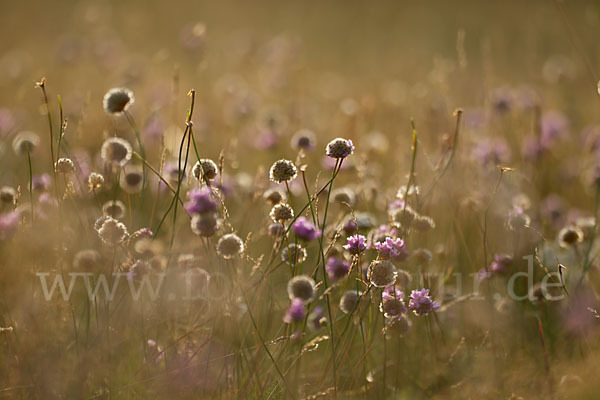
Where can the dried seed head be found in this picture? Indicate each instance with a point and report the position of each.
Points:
(116, 151)
(293, 254)
(570, 236)
(118, 100)
(95, 181)
(8, 195)
(205, 168)
(339, 148)
(276, 229)
(114, 209)
(281, 213)
(132, 180)
(349, 301)
(64, 166)
(25, 142)
(274, 196)
(112, 232)
(303, 139)
(301, 287)
(230, 245)
(382, 273)
(86, 260)
(283, 171)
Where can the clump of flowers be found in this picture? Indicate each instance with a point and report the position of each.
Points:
(64, 166)
(421, 303)
(201, 200)
(305, 230)
(390, 248)
(111, 231)
(230, 245)
(283, 171)
(392, 302)
(281, 213)
(205, 169)
(296, 312)
(339, 148)
(95, 181)
(356, 244)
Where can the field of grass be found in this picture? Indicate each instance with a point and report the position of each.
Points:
(299, 200)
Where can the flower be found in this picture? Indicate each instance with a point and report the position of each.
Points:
(118, 100)
(230, 245)
(305, 230)
(116, 151)
(301, 287)
(390, 248)
(283, 171)
(114, 209)
(337, 268)
(64, 166)
(339, 148)
(201, 200)
(111, 231)
(381, 273)
(356, 244)
(205, 169)
(296, 311)
(281, 213)
(293, 254)
(8, 224)
(421, 303)
(349, 301)
(392, 302)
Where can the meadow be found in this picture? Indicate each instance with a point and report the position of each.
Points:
(299, 200)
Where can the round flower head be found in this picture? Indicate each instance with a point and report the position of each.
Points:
(296, 312)
(421, 303)
(205, 169)
(230, 245)
(293, 254)
(281, 213)
(132, 180)
(118, 100)
(64, 166)
(25, 142)
(344, 196)
(305, 230)
(390, 247)
(8, 195)
(349, 301)
(337, 268)
(356, 244)
(339, 148)
(570, 236)
(114, 209)
(283, 171)
(116, 151)
(303, 139)
(112, 232)
(98, 223)
(274, 196)
(205, 225)
(382, 273)
(276, 230)
(95, 181)
(301, 287)
(86, 260)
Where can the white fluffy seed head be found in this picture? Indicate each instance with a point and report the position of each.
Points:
(114, 209)
(132, 180)
(112, 232)
(95, 181)
(281, 212)
(349, 301)
(64, 166)
(25, 142)
(116, 151)
(205, 168)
